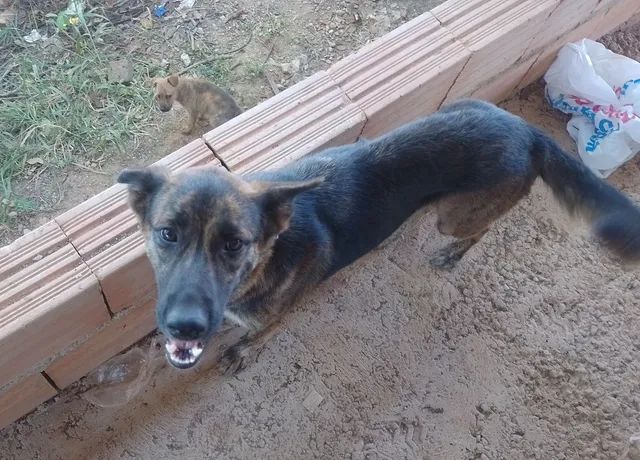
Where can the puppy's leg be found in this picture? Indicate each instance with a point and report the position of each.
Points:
(468, 216)
(193, 119)
(220, 118)
(214, 120)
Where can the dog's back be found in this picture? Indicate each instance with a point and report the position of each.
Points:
(207, 99)
(472, 158)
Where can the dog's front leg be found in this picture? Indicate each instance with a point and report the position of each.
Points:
(236, 357)
(193, 119)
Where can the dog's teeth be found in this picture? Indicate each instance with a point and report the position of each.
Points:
(182, 352)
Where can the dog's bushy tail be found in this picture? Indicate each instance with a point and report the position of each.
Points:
(615, 219)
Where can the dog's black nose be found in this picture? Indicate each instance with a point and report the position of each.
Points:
(186, 325)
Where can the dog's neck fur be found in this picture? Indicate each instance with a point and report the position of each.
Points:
(267, 291)
(183, 90)
(256, 278)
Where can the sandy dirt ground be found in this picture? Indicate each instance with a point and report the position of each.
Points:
(527, 349)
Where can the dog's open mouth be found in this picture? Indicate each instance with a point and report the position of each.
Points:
(183, 353)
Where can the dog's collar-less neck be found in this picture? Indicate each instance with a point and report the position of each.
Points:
(256, 280)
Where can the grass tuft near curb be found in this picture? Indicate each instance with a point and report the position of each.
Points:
(59, 107)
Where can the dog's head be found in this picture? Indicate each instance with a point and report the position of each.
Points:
(165, 91)
(206, 231)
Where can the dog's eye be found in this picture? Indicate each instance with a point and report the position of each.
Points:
(233, 245)
(168, 234)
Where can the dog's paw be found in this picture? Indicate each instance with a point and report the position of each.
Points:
(235, 359)
(447, 257)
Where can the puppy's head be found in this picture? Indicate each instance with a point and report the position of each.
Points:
(206, 231)
(165, 91)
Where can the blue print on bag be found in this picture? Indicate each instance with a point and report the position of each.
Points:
(604, 128)
(625, 87)
(561, 104)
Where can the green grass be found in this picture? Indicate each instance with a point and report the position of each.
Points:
(255, 69)
(8, 36)
(273, 26)
(62, 108)
(217, 71)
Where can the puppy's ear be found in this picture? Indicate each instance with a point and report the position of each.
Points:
(276, 199)
(143, 184)
(173, 79)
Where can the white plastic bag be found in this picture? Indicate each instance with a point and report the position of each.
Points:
(601, 90)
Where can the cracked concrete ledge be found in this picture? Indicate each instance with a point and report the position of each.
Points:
(85, 275)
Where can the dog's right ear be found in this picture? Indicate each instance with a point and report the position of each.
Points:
(173, 80)
(276, 199)
(143, 184)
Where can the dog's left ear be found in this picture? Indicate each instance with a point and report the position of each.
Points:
(276, 199)
(173, 79)
(143, 184)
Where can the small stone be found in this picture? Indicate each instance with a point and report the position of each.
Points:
(120, 71)
(35, 161)
(634, 447)
(484, 409)
(37, 257)
(312, 401)
(186, 59)
(291, 68)
(146, 23)
(7, 14)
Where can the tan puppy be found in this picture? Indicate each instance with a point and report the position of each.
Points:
(203, 100)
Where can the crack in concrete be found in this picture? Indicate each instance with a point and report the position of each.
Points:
(455, 80)
(104, 297)
(535, 61)
(219, 158)
(352, 102)
(50, 381)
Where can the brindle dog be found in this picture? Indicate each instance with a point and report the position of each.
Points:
(245, 248)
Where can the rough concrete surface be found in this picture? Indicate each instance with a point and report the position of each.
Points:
(527, 349)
